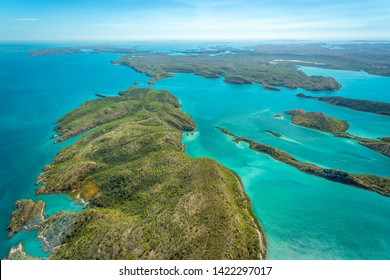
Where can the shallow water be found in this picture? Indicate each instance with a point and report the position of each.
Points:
(304, 217)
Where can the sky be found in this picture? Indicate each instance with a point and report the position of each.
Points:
(61, 20)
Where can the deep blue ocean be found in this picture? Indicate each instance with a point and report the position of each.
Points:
(304, 217)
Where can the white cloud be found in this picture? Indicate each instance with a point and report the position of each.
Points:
(26, 19)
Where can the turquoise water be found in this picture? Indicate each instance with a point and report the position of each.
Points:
(35, 92)
(305, 217)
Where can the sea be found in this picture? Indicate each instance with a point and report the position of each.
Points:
(303, 216)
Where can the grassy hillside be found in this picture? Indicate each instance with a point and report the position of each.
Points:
(147, 198)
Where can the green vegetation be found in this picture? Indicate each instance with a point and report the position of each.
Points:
(277, 134)
(317, 120)
(147, 198)
(376, 107)
(369, 57)
(370, 182)
(320, 121)
(240, 68)
(28, 213)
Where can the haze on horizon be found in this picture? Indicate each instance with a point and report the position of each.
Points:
(56, 20)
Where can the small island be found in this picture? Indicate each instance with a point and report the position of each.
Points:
(317, 120)
(277, 134)
(375, 107)
(370, 182)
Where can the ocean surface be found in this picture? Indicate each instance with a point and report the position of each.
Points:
(304, 217)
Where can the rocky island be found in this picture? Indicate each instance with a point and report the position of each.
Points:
(370, 182)
(146, 198)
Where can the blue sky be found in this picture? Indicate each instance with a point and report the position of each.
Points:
(194, 19)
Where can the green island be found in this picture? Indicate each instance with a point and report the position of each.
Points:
(239, 68)
(274, 133)
(375, 107)
(323, 122)
(28, 214)
(146, 199)
(317, 120)
(370, 182)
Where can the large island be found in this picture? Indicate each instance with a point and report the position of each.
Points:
(146, 199)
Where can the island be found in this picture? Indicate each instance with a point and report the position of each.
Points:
(323, 122)
(317, 120)
(28, 214)
(375, 107)
(146, 198)
(274, 133)
(370, 182)
(238, 68)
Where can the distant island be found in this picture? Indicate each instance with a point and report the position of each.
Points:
(372, 58)
(370, 182)
(239, 68)
(146, 198)
(323, 122)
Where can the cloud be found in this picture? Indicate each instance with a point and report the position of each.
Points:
(26, 19)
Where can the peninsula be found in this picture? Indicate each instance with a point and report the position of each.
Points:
(28, 214)
(375, 107)
(370, 182)
(146, 198)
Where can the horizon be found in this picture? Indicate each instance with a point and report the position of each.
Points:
(197, 20)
